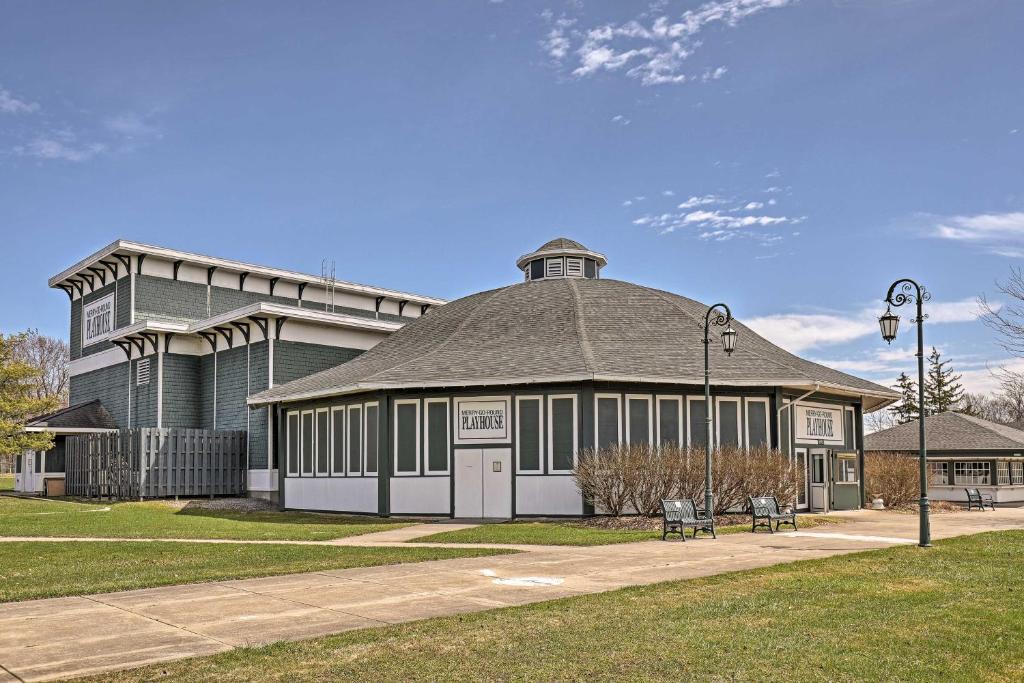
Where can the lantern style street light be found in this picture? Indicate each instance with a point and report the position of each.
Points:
(717, 315)
(912, 293)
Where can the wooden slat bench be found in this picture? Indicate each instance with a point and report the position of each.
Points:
(680, 514)
(977, 499)
(766, 509)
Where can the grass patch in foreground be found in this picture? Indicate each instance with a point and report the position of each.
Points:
(6, 482)
(44, 569)
(39, 517)
(902, 614)
(576, 533)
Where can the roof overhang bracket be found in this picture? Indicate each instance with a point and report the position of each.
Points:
(424, 308)
(138, 263)
(112, 267)
(278, 324)
(89, 278)
(100, 273)
(77, 285)
(126, 261)
(273, 284)
(302, 288)
(124, 346)
(177, 265)
(401, 306)
(152, 338)
(263, 324)
(241, 281)
(69, 290)
(211, 339)
(209, 275)
(167, 341)
(243, 328)
(228, 334)
(139, 343)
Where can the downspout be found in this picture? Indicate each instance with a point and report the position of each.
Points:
(778, 411)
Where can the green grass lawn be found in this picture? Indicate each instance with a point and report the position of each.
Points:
(573, 533)
(952, 613)
(37, 569)
(38, 517)
(6, 482)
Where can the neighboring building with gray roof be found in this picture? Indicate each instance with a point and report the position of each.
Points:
(963, 451)
(478, 408)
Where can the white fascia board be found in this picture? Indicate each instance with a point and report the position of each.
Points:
(236, 266)
(59, 431)
(150, 326)
(272, 310)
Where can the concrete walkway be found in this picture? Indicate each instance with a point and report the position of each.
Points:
(63, 637)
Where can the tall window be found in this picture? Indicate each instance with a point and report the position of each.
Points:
(528, 430)
(307, 442)
(436, 436)
(728, 422)
(971, 473)
(638, 419)
(338, 441)
(609, 427)
(1003, 473)
(407, 432)
(938, 473)
(561, 433)
(323, 427)
(757, 422)
(372, 412)
(355, 439)
(1017, 473)
(293, 443)
(697, 426)
(670, 413)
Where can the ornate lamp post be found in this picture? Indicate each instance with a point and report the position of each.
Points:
(912, 293)
(716, 315)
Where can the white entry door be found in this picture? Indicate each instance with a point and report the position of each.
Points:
(483, 483)
(819, 480)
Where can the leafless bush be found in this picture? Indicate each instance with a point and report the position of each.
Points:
(892, 477)
(601, 476)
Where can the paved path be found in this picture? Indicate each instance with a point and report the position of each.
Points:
(62, 637)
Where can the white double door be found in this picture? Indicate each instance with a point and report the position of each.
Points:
(483, 483)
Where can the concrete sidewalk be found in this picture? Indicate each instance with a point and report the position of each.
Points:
(63, 637)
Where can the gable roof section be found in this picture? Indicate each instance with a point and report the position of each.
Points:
(90, 415)
(947, 432)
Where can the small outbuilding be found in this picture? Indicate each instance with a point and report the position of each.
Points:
(963, 452)
(479, 407)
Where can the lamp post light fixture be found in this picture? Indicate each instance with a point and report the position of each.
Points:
(717, 316)
(912, 293)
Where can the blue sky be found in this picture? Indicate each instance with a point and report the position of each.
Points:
(790, 158)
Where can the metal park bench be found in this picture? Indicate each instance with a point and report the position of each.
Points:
(680, 514)
(766, 509)
(977, 499)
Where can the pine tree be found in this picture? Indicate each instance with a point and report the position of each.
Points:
(18, 401)
(906, 409)
(942, 388)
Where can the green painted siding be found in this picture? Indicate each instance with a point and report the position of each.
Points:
(160, 298)
(109, 385)
(122, 316)
(206, 404)
(259, 380)
(181, 391)
(293, 360)
(144, 397)
(232, 388)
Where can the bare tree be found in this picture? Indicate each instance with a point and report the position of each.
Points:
(879, 420)
(52, 358)
(1007, 319)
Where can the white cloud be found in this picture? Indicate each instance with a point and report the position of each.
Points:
(60, 147)
(1000, 233)
(9, 104)
(132, 126)
(702, 200)
(628, 202)
(750, 206)
(650, 50)
(621, 120)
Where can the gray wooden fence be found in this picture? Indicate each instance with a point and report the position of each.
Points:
(156, 463)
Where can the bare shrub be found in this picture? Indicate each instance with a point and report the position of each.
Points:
(654, 476)
(892, 477)
(601, 476)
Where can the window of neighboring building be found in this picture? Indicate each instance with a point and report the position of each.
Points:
(561, 433)
(436, 436)
(407, 443)
(1003, 473)
(971, 472)
(728, 422)
(938, 473)
(338, 441)
(847, 471)
(322, 440)
(670, 417)
(697, 425)
(355, 439)
(292, 456)
(757, 422)
(638, 419)
(528, 426)
(1017, 473)
(17, 462)
(371, 440)
(55, 458)
(37, 462)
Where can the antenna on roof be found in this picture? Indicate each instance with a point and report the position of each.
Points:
(330, 283)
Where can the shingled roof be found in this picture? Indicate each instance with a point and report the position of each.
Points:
(947, 432)
(564, 330)
(89, 415)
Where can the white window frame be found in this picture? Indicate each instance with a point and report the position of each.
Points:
(549, 271)
(936, 469)
(577, 264)
(650, 415)
(416, 439)
(448, 435)
(551, 433)
(841, 471)
(540, 433)
(302, 443)
(1002, 473)
(288, 443)
(738, 400)
(316, 443)
(335, 411)
(689, 434)
(618, 414)
(972, 472)
(366, 427)
(746, 421)
(348, 437)
(658, 398)
(1016, 473)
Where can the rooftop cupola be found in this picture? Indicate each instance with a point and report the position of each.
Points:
(561, 257)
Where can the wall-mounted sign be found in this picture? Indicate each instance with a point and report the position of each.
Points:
(817, 424)
(482, 420)
(97, 320)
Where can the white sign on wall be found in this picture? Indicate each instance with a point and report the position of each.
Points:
(819, 424)
(482, 419)
(97, 320)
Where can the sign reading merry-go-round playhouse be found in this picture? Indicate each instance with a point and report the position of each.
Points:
(481, 420)
(819, 424)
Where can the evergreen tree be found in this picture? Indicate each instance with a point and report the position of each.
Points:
(942, 388)
(18, 400)
(906, 409)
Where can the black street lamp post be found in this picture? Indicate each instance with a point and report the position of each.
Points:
(716, 315)
(911, 292)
